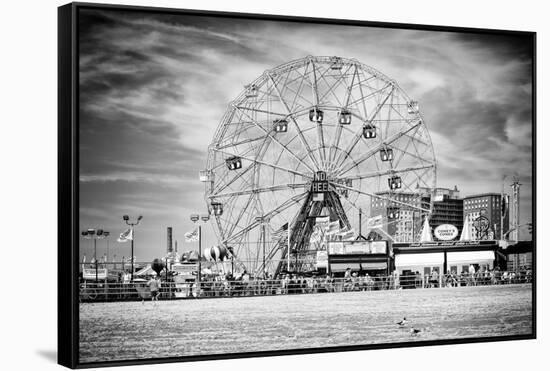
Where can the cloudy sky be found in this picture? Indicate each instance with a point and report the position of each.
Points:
(153, 89)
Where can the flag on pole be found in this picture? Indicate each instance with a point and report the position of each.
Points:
(192, 236)
(375, 222)
(126, 235)
(279, 233)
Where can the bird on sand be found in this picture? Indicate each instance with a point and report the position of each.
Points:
(403, 322)
(415, 331)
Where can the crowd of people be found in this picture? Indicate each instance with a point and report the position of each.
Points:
(478, 277)
(244, 284)
(287, 283)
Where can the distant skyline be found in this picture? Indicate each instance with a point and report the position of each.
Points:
(153, 88)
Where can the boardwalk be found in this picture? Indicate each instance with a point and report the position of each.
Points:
(132, 330)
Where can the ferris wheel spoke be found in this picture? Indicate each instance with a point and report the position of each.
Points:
(301, 135)
(245, 141)
(351, 203)
(359, 132)
(422, 177)
(412, 155)
(297, 93)
(381, 197)
(241, 213)
(288, 203)
(366, 97)
(375, 174)
(234, 179)
(315, 94)
(275, 188)
(244, 108)
(253, 160)
(273, 138)
(337, 82)
(338, 131)
(372, 151)
(363, 102)
(388, 120)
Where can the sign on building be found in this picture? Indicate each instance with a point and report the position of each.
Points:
(357, 247)
(446, 232)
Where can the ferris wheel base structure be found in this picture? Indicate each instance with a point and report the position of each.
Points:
(316, 205)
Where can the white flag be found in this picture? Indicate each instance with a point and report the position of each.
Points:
(192, 236)
(126, 235)
(375, 222)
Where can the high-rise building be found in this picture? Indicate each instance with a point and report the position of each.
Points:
(484, 213)
(404, 223)
(447, 209)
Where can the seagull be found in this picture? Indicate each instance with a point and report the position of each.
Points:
(403, 322)
(415, 331)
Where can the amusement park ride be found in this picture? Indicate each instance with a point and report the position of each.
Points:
(315, 137)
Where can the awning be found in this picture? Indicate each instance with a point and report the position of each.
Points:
(469, 257)
(414, 260)
(341, 267)
(374, 266)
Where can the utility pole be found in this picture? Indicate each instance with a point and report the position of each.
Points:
(515, 207)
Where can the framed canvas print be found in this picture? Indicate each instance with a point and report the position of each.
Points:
(240, 185)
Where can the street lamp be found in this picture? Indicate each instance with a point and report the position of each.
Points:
(126, 218)
(262, 220)
(95, 234)
(195, 218)
(106, 234)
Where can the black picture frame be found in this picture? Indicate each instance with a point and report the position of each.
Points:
(68, 183)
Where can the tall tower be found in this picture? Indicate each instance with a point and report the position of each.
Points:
(515, 210)
(169, 239)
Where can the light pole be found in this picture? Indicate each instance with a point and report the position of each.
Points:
(262, 220)
(95, 234)
(106, 234)
(195, 218)
(126, 218)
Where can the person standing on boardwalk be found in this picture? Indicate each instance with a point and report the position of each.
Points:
(154, 286)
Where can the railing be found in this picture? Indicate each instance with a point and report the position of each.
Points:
(120, 291)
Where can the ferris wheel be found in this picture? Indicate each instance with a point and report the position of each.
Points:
(316, 136)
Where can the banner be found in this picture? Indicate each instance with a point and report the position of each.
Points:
(375, 222)
(126, 235)
(89, 273)
(322, 220)
(357, 247)
(347, 235)
(322, 260)
(333, 227)
(192, 236)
